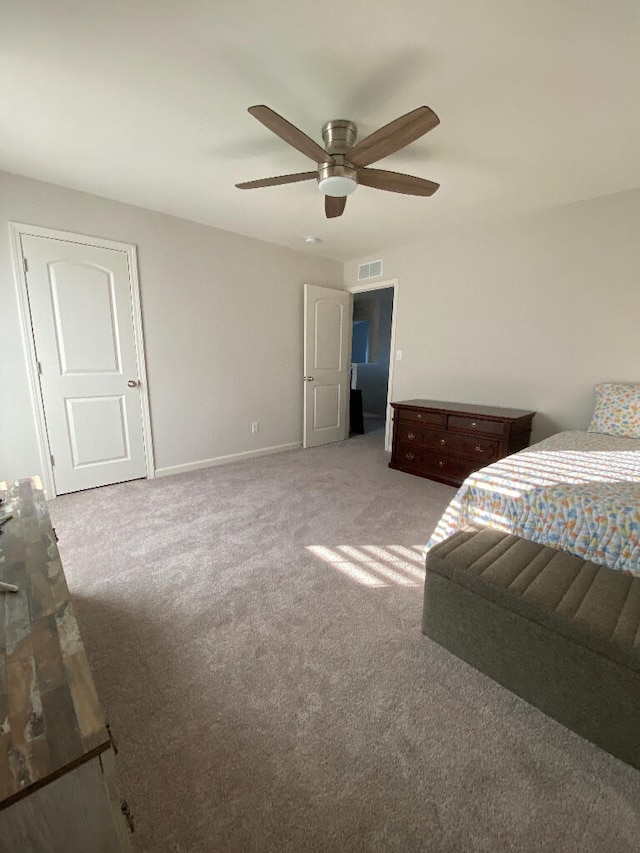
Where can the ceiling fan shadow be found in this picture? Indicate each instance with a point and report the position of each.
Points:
(248, 148)
(263, 77)
(386, 84)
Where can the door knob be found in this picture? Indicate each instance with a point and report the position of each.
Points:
(132, 383)
(307, 378)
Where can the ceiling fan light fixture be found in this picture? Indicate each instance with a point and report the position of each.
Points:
(337, 185)
(337, 179)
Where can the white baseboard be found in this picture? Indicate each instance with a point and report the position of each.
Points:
(224, 460)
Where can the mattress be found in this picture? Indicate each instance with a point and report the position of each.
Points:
(576, 491)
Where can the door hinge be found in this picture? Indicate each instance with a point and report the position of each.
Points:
(39, 367)
(25, 264)
(53, 461)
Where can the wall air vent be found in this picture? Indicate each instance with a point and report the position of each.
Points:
(370, 270)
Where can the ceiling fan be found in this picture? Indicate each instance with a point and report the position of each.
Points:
(342, 163)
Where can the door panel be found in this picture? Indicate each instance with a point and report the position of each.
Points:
(85, 290)
(98, 430)
(326, 406)
(81, 304)
(327, 338)
(329, 319)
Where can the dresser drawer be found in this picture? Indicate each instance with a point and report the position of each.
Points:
(453, 444)
(480, 449)
(447, 467)
(428, 463)
(409, 456)
(437, 439)
(410, 434)
(470, 424)
(409, 416)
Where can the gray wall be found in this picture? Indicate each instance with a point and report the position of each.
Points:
(530, 313)
(222, 318)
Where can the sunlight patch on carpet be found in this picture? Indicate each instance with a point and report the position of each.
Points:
(374, 565)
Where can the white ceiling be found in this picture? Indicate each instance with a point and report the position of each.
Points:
(145, 102)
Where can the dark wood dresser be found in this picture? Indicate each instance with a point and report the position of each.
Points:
(448, 441)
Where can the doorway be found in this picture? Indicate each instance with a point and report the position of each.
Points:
(374, 314)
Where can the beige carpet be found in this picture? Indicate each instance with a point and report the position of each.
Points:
(254, 632)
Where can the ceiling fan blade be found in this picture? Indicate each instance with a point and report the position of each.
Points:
(285, 130)
(334, 205)
(396, 182)
(393, 136)
(281, 179)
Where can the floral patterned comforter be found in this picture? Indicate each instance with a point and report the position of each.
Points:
(576, 491)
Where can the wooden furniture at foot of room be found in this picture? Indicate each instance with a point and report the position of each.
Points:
(57, 775)
(448, 441)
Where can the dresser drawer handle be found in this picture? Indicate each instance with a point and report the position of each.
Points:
(419, 416)
(479, 449)
(411, 436)
(409, 455)
(441, 464)
(443, 441)
(474, 424)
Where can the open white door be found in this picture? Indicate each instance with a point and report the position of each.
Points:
(89, 361)
(327, 359)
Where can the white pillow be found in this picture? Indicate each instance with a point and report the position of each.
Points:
(617, 409)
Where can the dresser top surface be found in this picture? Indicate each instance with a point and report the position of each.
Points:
(50, 716)
(475, 409)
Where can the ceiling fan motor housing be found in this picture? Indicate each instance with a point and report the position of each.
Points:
(338, 178)
(339, 136)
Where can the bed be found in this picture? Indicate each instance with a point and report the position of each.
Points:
(533, 574)
(577, 492)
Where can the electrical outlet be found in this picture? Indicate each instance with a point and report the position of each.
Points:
(255, 426)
